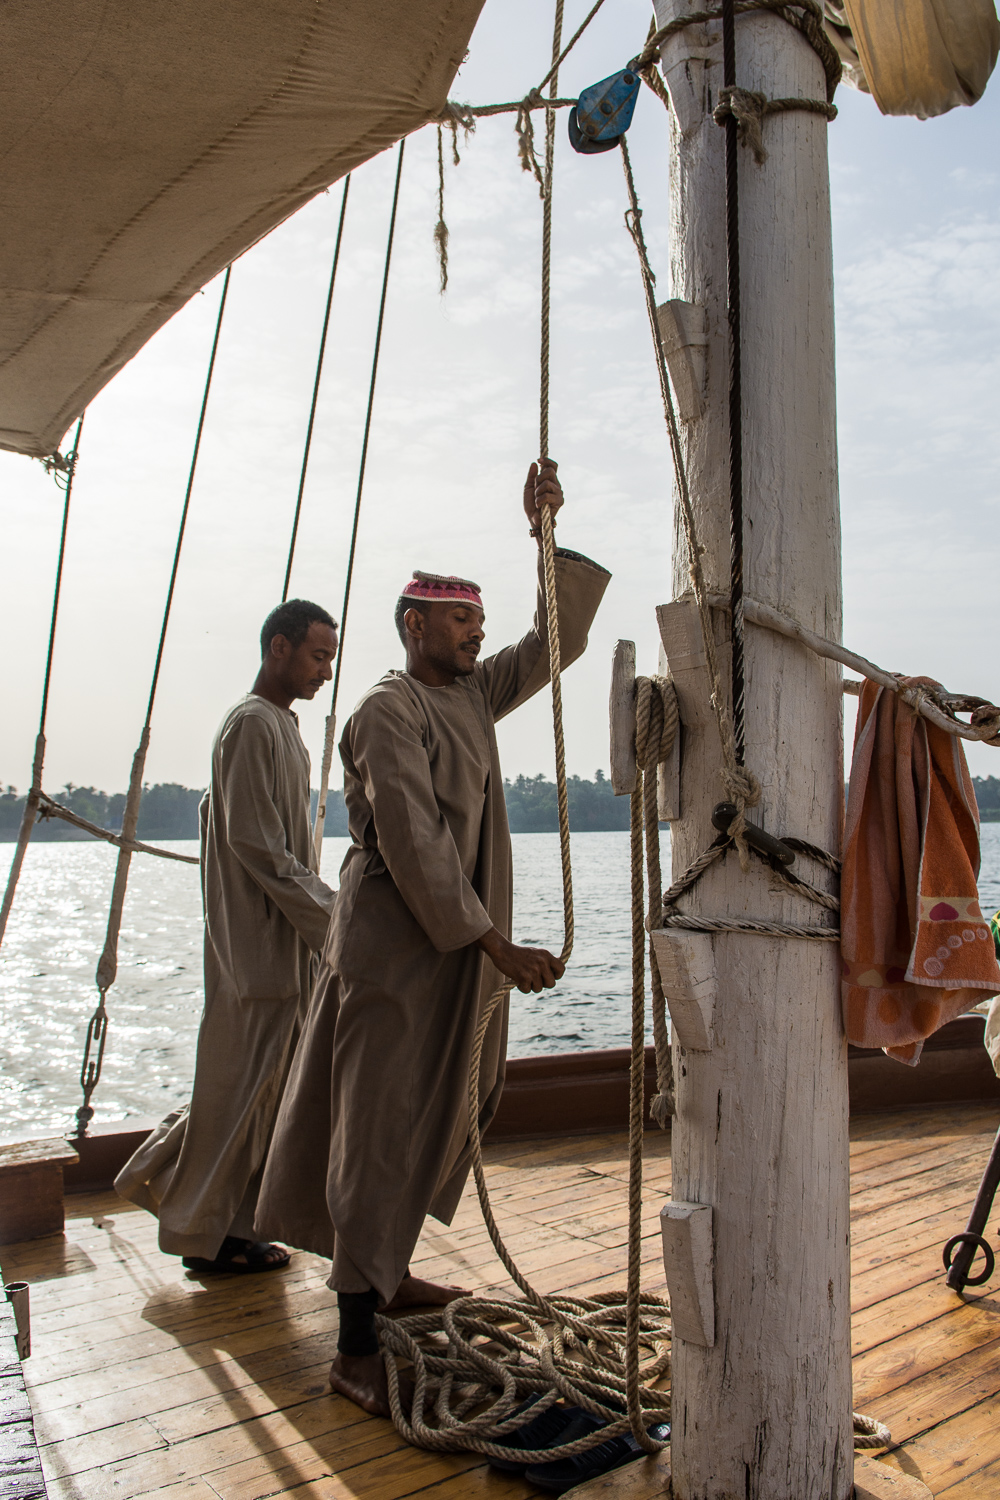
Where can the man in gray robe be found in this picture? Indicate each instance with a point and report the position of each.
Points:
(266, 918)
(373, 1132)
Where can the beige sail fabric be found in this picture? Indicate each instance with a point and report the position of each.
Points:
(146, 146)
(373, 1130)
(925, 57)
(266, 915)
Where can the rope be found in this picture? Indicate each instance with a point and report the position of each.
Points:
(66, 466)
(806, 16)
(748, 109)
(315, 392)
(441, 228)
(107, 968)
(932, 702)
(656, 729)
(574, 1348)
(49, 808)
(742, 786)
(330, 729)
(735, 391)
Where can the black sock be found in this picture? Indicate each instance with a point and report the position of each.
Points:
(357, 1322)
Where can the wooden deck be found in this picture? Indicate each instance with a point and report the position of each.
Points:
(146, 1383)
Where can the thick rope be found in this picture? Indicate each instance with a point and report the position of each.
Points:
(933, 703)
(575, 1347)
(49, 808)
(330, 728)
(656, 729)
(67, 467)
(315, 391)
(749, 108)
(107, 968)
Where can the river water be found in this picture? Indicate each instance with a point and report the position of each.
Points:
(56, 931)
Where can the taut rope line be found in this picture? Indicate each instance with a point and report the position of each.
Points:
(315, 393)
(330, 728)
(33, 799)
(107, 968)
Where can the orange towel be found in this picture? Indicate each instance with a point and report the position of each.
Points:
(916, 951)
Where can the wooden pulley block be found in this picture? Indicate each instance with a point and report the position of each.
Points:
(622, 712)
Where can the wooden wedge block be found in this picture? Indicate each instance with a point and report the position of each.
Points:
(646, 1479)
(876, 1481)
(31, 1189)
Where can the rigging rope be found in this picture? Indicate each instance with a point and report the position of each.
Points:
(107, 968)
(330, 727)
(66, 466)
(586, 1350)
(315, 392)
(735, 387)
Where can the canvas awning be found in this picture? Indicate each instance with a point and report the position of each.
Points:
(145, 146)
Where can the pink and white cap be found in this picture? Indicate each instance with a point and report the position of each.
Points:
(442, 588)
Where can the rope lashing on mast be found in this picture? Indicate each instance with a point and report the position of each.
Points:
(749, 109)
(315, 391)
(656, 722)
(58, 466)
(330, 727)
(107, 968)
(742, 786)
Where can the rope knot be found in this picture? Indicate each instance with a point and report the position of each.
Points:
(747, 108)
(526, 137)
(745, 790)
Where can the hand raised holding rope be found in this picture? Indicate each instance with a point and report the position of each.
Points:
(542, 487)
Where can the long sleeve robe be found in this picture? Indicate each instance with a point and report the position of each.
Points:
(372, 1134)
(266, 917)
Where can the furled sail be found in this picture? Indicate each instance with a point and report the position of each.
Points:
(145, 146)
(917, 57)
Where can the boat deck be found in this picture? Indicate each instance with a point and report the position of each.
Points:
(147, 1383)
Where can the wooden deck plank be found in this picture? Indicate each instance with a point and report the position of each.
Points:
(146, 1383)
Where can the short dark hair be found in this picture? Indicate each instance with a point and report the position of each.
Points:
(292, 620)
(405, 602)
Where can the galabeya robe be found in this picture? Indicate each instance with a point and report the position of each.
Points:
(373, 1130)
(266, 917)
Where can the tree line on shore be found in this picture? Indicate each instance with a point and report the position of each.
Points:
(170, 811)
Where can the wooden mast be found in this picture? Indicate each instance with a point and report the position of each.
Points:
(760, 1133)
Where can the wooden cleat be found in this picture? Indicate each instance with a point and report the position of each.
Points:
(877, 1481)
(646, 1479)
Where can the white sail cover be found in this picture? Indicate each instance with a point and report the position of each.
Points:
(924, 57)
(146, 145)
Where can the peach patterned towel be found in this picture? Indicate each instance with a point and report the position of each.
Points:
(915, 949)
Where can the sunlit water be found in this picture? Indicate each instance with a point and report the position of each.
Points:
(56, 932)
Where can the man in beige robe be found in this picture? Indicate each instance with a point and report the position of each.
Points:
(373, 1132)
(266, 918)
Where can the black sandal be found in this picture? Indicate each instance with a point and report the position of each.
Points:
(255, 1258)
(565, 1473)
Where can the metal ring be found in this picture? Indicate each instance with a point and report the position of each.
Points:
(971, 1239)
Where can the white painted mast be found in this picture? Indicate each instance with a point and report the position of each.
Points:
(760, 1133)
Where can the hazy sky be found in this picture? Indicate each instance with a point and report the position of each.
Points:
(917, 254)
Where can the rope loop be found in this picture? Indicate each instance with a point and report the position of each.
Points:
(748, 108)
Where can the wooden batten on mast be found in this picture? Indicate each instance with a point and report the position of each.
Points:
(760, 1133)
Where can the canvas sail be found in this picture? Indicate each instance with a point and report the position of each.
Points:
(917, 57)
(148, 145)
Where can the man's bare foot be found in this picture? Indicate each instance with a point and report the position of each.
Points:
(362, 1379)
(413, 1292)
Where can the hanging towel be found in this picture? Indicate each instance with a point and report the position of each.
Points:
(916, 950)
